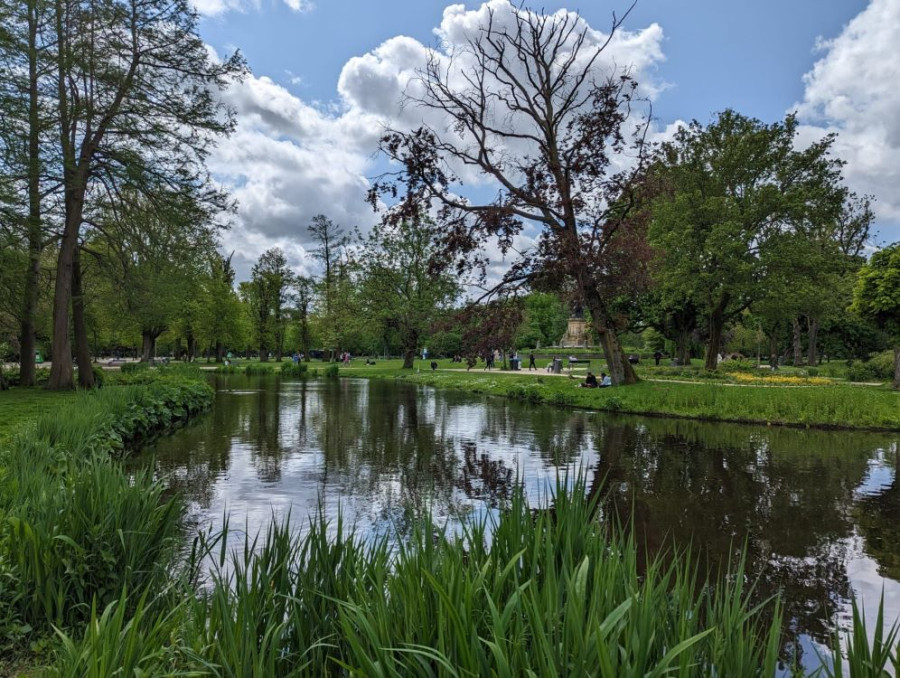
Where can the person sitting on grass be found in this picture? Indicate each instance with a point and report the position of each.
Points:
(590, 381)
(433, 365)
(605, 380)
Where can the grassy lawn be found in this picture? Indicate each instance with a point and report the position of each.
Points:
(837, 405)
(21, 405)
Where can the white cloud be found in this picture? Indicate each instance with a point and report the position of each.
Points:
(289, 160)
(211, 8)
(853, 90)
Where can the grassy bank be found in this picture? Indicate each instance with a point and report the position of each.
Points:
(836, 405)
(21, 405)
(75, 529)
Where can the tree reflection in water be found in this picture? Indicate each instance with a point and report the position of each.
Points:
(789, 499)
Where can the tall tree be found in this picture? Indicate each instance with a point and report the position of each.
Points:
(220, 310)
(877, 296)
(268, 292)
(726, 190)
(135, 102)
(330, 251)
(528, 102)
(304, 288)
(23, 65)
(399, 290)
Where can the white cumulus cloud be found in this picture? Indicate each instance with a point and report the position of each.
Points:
(853, 90)
(289, 160)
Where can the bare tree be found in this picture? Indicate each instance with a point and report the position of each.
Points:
(530, 102)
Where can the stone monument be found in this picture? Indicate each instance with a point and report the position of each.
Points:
(576, 335)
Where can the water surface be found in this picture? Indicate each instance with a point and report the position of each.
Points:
(816, 513)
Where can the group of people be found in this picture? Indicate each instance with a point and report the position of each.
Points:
(590, 381)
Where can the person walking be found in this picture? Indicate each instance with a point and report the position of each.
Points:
(531, 364)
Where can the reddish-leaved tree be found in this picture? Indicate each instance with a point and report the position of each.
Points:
(529, 102)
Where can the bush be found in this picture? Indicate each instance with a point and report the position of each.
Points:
(131, 368)
(738, 366)
(880, 367)
(41, 376)
(331, 371)
(294, 369)
(99, 376)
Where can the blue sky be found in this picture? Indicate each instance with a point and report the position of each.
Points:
(306, 135)
(750, 56)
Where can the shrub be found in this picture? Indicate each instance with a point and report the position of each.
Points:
(294, 369)
(130, 368)
(99, 376)
(41, 376)
(331, 371)
(258, 369)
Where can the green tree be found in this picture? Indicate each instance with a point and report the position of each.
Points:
(304, 288)
(268, 293)
(334, 289)
(152, 258)
(134, 104)
(877, 296)
(220, 311)
(545, 320)
(726, 191)
(23, 167)
(399, 290)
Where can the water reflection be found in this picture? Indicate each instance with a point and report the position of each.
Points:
(816, 513)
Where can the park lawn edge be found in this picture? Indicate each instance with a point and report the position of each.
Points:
(848, 407)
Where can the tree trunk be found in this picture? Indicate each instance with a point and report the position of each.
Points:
(148, 341)
(716, 325)
(409, 358)
(812, 337)
(191, 347)
(304, 338)
(264, 354)
(220, 351)
(683, 347)
(798, 346)
(896, 383)
(773, 350)
(621, 372)
(62, 370)
(27, 339)
(82, 350)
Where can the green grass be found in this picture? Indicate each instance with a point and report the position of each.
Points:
(21, 405)
(838, 406)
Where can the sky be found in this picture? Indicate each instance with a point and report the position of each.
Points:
(326, 76)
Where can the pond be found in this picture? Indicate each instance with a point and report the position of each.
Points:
(817, 513)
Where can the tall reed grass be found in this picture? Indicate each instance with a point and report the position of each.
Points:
(76, 530)
(551, 592)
